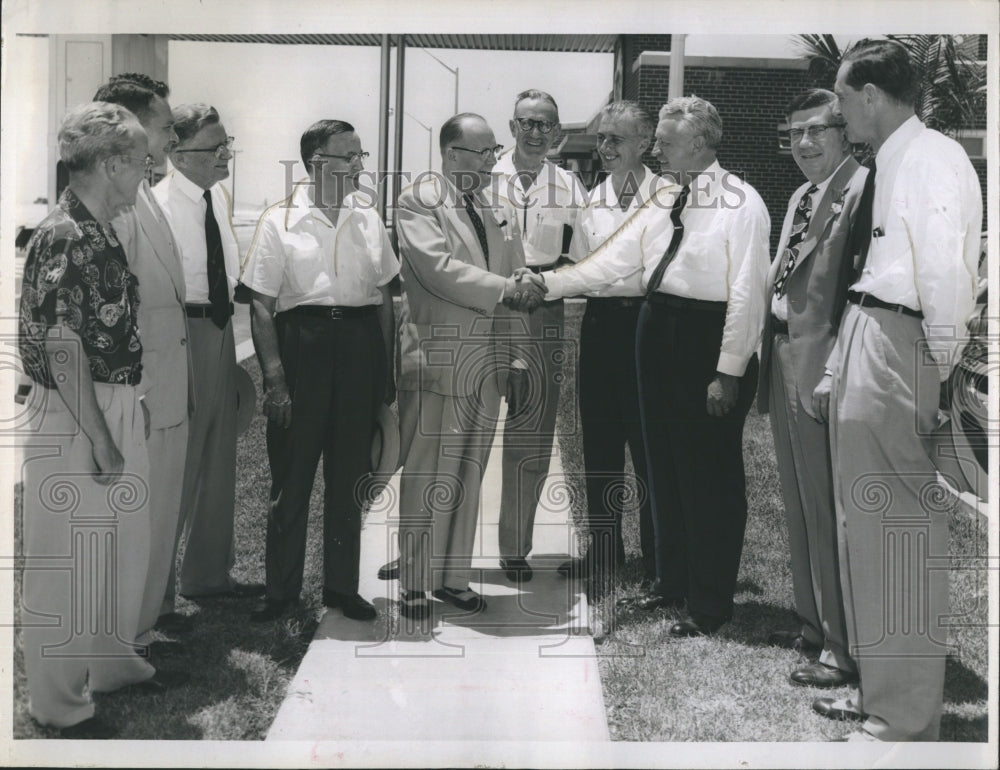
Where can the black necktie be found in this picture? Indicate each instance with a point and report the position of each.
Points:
(800, 223)
(861, 234)
(675, 241)
(218, 291)
(477, 223)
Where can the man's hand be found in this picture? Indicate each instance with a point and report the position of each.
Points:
(524, 290)
(278, 404)
(145, 416)
(721, 396)
(108, 460)
(821, 399)
(517, 391)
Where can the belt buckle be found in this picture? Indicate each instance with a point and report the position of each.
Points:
(336, 313)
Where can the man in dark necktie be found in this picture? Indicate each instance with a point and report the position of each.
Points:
(703, 254)
(913, 286)
(197, 207)
(458, 258)
(799, 332)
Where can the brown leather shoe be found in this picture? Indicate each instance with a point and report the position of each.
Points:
(821, 675)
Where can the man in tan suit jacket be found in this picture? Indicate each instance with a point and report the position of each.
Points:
(458, 257)
(800, 331)
(166, 387)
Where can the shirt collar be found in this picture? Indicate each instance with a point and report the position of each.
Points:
(300, 205)
(898, 139)
(186, 186)
(821, 186)
(609, 197)
(547, 175)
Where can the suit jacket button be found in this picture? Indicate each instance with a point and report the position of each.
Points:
(184, 341)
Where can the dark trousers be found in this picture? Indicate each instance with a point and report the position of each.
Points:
(335, 371)
(609, 419)
(695, 460)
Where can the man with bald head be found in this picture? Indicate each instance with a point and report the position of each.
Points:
(458, 258)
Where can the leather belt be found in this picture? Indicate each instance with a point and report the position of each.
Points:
(870, 300)
(333, 312)
(202, 311)
(778, 326)
(687, 303)
(536, 269)
(601, 303)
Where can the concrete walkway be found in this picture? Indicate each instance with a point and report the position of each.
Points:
(523, 670)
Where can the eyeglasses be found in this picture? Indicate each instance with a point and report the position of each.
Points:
(529, 124)
(814, 132)
(220, 149)
(485, 153)
(349, 158)
(148, 161)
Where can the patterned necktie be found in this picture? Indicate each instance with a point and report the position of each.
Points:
(477, 223)
(675, 241)
(800, 223)
(218, 292)
(861, 234)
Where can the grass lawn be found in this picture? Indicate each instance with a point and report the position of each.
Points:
(730, 687)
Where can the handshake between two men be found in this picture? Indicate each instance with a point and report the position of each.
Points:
(525, 290)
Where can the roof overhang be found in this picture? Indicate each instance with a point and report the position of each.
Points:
(558, 43)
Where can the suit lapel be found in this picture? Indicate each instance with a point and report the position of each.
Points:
(154, 225)
(454, 211)
(822, 215)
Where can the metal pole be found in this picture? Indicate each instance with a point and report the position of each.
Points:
(383, 128)
(675, 85)
(456, 90)
(398, 128)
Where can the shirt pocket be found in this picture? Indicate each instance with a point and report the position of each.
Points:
(306, 270)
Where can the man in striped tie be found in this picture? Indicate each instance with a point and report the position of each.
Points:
(799, 332)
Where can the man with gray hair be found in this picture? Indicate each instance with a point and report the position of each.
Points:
(799, 332)
(86, 471)
(197, 207)
(702, 268)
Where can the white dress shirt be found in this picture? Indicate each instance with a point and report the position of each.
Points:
(184, 206)
(552, 201)
(299, 257)
(601, 216)
(724, 256)
(928, 214)
(779, 305)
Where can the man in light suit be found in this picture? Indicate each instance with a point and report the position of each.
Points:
(915, 243)
(165, 388)
(197, 207)
(799, 332)
(458, 257)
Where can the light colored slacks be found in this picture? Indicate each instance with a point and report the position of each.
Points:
(802, 446)
(209, 493)
(892, 518)
(445, 444)
(86, 548)
(528, 439)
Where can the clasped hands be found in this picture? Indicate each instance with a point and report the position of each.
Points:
(524, 290)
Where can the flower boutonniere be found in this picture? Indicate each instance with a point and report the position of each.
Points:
(838, 202)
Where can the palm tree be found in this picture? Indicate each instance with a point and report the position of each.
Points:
(953, 90)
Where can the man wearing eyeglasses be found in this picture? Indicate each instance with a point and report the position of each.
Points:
(166, 384)
(800, 329)
(319, 270)
(197, 207)
(458, 259)
(544, 200)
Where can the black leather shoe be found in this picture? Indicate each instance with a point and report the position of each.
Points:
(389, 571)
(791, 640)
(515, 567)
(821, 675)
(414, 605)
(174, 623)
(656, 601)
(825, 707)
(269, 609)
(353, 605)
(94, 729)
(696, 627)
(164, 679)
(467, 600)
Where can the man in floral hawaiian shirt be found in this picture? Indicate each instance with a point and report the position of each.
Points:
(85, 472)
(800, 331)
